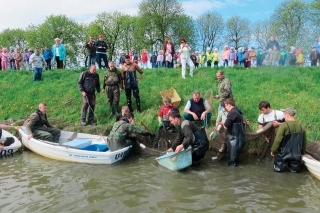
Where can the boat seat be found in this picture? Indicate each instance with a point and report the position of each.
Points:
(78, 143)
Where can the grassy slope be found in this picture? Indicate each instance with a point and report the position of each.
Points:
(282, 86)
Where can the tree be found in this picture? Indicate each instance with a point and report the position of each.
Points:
(288, 21)
(70, 32)
(261, 32)
(238, 31)
(13, 37)
(210, 27)
(113, 26)
(158, 17)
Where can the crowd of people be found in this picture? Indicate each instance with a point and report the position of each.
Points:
(290, 135)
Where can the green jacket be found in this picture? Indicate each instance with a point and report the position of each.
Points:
(122, 131)
(224, 89)
(283, 130)
(36, 119)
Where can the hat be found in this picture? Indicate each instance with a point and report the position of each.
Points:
(208, 48)
(289, 111)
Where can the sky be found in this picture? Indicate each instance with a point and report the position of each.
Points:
(21, 13)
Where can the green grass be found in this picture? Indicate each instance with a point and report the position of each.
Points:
(282, 86)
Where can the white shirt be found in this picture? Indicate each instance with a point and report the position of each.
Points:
(265, 118)
(57, 51)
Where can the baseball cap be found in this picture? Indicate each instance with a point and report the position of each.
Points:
(291, 111)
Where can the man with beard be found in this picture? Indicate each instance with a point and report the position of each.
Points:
(130, 82)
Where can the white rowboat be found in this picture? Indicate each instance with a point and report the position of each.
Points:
(13, 147)
(312, 165)
(84, 148)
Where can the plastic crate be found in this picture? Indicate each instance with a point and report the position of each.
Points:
(96, 148)
(78, 143)
(176, 161)
(172, 93)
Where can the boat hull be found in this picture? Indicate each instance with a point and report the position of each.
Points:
(312, 165)
(8, 150)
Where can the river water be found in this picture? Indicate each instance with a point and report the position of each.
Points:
(31, 183)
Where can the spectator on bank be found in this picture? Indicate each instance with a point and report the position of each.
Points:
(59, 53)
(193, 58)
(259, 57)
(153, 60)
(225, 55)
(317, 46)
(91, 51)
(240, 57)
(300, 57)
(26, 57)
(144, 59)
(202, 58)
(208, 57)
(17, 56)
(292, 56)
(253, 57)
(215, 57)
(4, 59)
(196, 64)
(313, 57)
(246, 57)
(11, 59)
(274, 56)
(38, 62)
(122, 60)
(160, 58)
(48, 55)
(271, 43)
(283, 56)
(232, 57)
(101, 51)
(168, 48)
(184, 50)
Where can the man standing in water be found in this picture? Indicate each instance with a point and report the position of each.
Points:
(188, 135)
(88, 83)
(235, 131)
(130, 82)
(289, 144)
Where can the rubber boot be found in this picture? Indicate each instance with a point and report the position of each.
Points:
(138, 105)
(129, 104)
(116, 107)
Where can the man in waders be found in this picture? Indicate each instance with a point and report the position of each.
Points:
(88, 83)
(289, 144)
(224, 88)
(121, 134)
(130, 81)
(188, 135)
(235, 131)
(112, 84)
(38, 126)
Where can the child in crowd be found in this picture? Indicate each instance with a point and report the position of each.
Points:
(135, 58)
(160, 58)
(215, 57)
(193, 58)
(144, 59)
(168, 58)
(11, 59)
(313, 57)
(196, 64)
(240, 57)
(17, 56)
(299, 56)
(246, 57)
(232, 56)
(153, 60)
(274, 56)
(121, 60)
(201, 61)
(4, 59)
(283, 56)
(259, 57)
(225, 55)
(292, 56)
(253, 57)
(26, 57)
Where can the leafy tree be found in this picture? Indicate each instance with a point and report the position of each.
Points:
(288, 21)
(210, 26)
(238, 31)
(261, 32)
(13, 37)
(70, 32)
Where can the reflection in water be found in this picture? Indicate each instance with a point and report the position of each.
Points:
(31, 183)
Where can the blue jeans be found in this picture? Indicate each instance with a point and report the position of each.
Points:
(37, 74)
(11, 65)
(153, 65)
(105, 60)
(204, 122)
(159, 64)
(92, 60)
(48, 61)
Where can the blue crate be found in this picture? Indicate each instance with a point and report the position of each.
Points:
(78, 143)
(177, 161)
(96, 148)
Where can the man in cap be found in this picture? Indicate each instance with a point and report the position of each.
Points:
(289, 144)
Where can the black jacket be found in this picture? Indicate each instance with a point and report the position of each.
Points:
(89, 82)
(101, 44)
